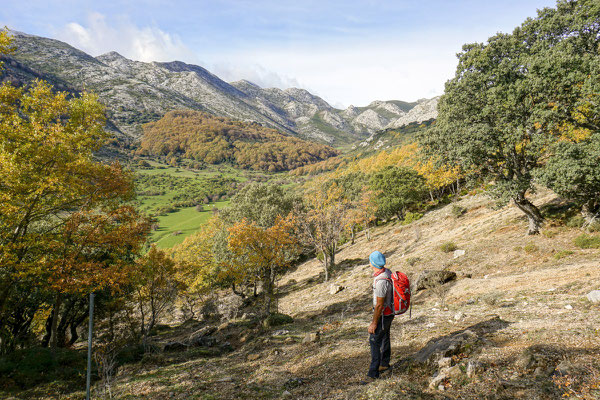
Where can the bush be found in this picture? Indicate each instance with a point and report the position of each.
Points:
(411, 217)
(576, 221)
(586, 241)
(458, 211)
(199, 208)
(277, 319)
(448, 247)
(413, 260)
(563, 254)
(530, 248)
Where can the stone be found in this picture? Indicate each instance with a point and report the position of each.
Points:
(286, 394)
(447, 346)
(437, 380)
(525, 361)
(429, 278)
(594, 296)
(430, 325)
(569, 307)
(253, 357)
(334, 288)
(294, 383)
(473, 368)
(281, 332)
(454, 372)
(459, 253)
(459, 315)
(289, 340)
(311, 337)
(445, 362)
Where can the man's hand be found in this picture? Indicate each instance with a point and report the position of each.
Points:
(372, 327)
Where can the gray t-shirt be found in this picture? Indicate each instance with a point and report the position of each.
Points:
(382, 287)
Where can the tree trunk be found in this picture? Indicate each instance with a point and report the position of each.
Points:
(590, 212)
(352, 234)
(54, 326)
(326, 264)
(531, 211)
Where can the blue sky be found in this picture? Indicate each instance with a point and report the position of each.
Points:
(348, 52)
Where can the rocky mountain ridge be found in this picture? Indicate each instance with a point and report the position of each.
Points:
(137, 92)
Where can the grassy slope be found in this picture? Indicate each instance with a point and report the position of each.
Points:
(525, 281)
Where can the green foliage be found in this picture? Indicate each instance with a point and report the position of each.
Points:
(562, 254)
(458, 211)
(397, 189)
(411, 217)
(586, 241)
(530, 248)
(25, 369)
(215, 140)
(448, 247)
(277, 319)
(260, 203)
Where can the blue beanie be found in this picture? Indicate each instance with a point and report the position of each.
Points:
(377, 259)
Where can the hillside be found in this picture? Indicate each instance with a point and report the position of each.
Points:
(517, 316)
(215, 140)
(138, 92)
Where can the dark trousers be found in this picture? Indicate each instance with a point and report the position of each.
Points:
(380, 346)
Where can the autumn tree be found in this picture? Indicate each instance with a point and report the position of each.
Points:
(64, 228)
(322, 221)
(265, 253)
(156, 287)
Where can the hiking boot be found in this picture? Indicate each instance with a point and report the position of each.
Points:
(367, 380)
(383, 369)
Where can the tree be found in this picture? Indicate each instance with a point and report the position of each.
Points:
(264, 252)
(323, 220)
(573, 171)
(156, 287)
(509, 97)
(397, 189)
(260, 203)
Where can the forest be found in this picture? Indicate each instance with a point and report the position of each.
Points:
(214, 140)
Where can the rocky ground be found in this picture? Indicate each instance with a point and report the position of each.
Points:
(516, 323)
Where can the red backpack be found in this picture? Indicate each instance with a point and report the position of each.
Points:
(401, 287)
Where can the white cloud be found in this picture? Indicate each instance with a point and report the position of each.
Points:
(124, 37)
(230, 71)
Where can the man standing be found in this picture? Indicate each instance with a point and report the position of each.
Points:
(383, 315)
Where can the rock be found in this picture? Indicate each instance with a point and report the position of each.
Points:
(335, 288)
(525, 361)
(286, 394)
(567, 368)
(312, 337)
(459, 253)
(289, 340)
(200, 333)
(253, 357)
(447, 346)
(454, 372)
(594, 296)
(437, 380)
(281, 332)
(473, 368)
(430, 325)
(459, 315)
(294, 383)
(445, 362)
(569, 307)
(429, 278)
(223, 326)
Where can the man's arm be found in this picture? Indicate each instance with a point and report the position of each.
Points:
(377, 314)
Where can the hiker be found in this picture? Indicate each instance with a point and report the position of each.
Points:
(383, 315)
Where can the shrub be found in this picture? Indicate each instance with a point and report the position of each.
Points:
(458, 211)
(411, 217)
(576, 221)
(563, 254)
(586, 241)
(413, 260)
(277, 319)
(199, 208)
(448, 247)
(530, 248)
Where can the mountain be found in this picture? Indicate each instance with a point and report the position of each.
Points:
(138, 92)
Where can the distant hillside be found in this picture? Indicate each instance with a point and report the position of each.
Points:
(138, 92)
(214, 140)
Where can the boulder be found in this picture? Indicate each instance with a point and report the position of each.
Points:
(447, 346)
(429, 278)
(445, 362)
(458, 253)
(311, 337)
(594, 296)
(473, 367)
(334, 288)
